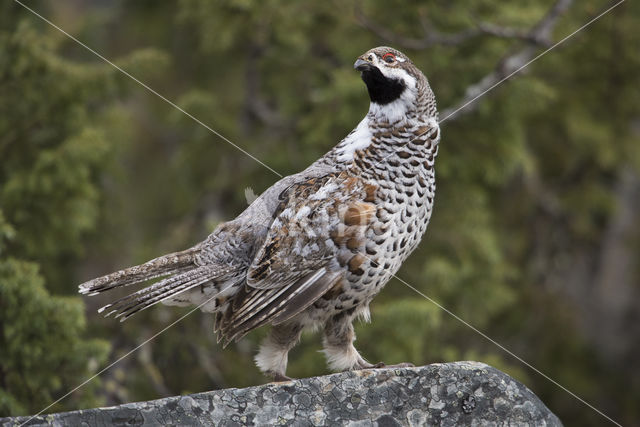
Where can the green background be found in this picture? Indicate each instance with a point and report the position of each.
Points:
(534, 238)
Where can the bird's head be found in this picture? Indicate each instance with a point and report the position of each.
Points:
(395, 85)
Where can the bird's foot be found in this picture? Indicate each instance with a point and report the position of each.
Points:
(278, 377)
(382, 365)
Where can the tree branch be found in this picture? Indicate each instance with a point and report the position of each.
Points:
(541, 32)
(434, 37)
(537, 36)
(431, 36)
(543, 29)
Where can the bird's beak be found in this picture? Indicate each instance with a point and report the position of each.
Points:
(362, 65)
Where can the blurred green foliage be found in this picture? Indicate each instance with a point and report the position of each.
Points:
(43, 347)
(97, 173)
(48, 199)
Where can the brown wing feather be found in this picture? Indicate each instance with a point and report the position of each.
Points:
(296, 244)
(300, 302)
(316, 219)
(299, 260)
(273, 302)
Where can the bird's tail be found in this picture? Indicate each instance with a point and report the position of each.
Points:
(162, 266)
(169, 288)
(183, 272)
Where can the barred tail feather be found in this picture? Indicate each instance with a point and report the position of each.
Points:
(127, 306)
(174, 263)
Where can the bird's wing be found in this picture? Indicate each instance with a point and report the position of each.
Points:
(305, 252)
(309, 228)
(296, 243)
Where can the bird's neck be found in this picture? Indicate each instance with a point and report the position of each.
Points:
(397, 112)
(408, 108)
(378, 141)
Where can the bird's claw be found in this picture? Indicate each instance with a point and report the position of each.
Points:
(278, 378)
(381, 365)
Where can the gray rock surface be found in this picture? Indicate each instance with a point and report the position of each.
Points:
(447, 394)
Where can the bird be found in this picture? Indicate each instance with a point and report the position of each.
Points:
(314, 249)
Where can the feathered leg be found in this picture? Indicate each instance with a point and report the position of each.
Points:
(273, 356)
(338, 346)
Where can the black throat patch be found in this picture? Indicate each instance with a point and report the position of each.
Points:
(382, 90)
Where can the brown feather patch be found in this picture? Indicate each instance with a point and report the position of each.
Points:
(353, 243)
(354, 264)
(370, 193)
(359, 213)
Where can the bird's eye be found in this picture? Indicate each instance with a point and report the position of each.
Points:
(389, 57)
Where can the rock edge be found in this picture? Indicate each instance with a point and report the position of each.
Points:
(447, 394)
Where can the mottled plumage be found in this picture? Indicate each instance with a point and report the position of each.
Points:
(315, 248)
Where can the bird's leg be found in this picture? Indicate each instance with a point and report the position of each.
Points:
(338, 347)
(338, 344)
(273, 354)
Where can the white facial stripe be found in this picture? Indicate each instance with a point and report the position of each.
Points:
(399, 73)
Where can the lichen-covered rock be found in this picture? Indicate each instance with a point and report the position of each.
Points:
(447, 394)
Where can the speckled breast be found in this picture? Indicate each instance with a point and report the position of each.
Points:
(380, 229)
